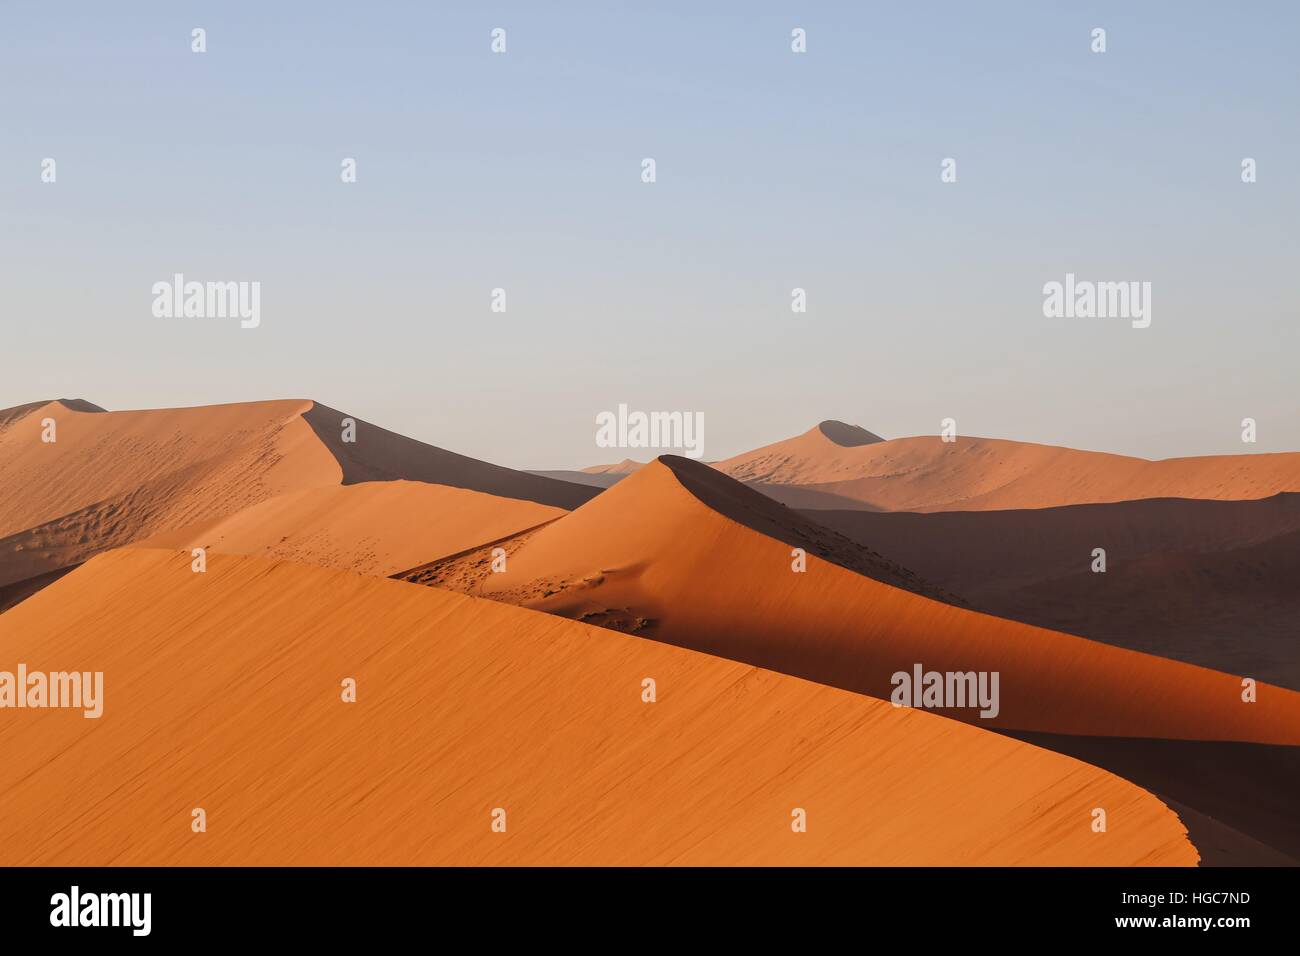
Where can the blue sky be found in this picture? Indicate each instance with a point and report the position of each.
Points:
(775, 170)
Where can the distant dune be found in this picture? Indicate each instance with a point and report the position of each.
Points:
(813, 470)
(114, 478)
(582, 477)
(596, 476)
(464, 706)
(625, 467)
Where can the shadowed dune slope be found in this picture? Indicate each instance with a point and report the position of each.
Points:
(928, 474)
(672, 548)
(380, 455)
(1215, 583)
(222, 691)
(377, 527)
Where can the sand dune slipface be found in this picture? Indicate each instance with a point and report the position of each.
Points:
(670, 550)
(814, 470)
(222, 691)
(111, 479)
(377, 454)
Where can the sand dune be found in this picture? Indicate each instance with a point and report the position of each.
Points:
(1209, 582)
(377, 527)
(928, 474)
(222, 692)
(669, 553)
(671, 550)
(597, 476)
(114, 478)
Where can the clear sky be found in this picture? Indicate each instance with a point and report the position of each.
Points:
(775, 170)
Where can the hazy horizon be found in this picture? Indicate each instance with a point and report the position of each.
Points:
(775, 170)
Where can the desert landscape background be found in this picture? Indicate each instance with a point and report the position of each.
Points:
(500, 625)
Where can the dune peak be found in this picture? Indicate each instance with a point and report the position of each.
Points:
(846, 435)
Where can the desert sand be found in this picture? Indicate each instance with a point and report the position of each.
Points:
(817, 470)
(222, 691)
(680, 553)
(671, 550)
(376, 527)
(224, 685)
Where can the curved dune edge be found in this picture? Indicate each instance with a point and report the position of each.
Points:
(926, 473)
(377, 527)
(653, 551)
(222, 692)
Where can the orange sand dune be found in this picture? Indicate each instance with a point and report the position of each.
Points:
(670, 551)
(377, 527)
(222, 691)
(928, 474)
(113, 478)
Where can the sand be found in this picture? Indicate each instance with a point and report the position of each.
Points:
(668, 553)
(380, 455)
(377, 527)
(925, 473)
(222, 691)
